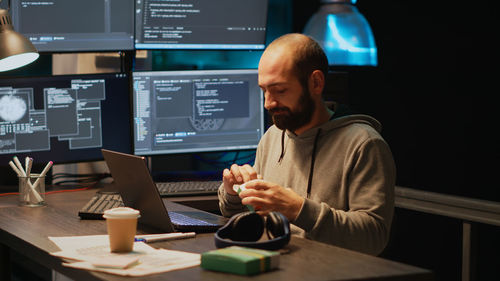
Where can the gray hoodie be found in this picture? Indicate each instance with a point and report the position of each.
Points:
(351, 198)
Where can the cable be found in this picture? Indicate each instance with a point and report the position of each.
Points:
(78, 179)
(54, 191)
(9, 193)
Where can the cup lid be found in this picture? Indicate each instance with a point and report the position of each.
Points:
(121, 213)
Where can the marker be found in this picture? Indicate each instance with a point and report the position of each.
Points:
(164, 237)
(19, 166)
(43, 173)
(29, 164)
(16, 170)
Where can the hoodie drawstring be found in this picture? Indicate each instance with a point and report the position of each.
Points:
(282, 146)
(313, 158)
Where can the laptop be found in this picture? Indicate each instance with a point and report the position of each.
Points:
(139, 191)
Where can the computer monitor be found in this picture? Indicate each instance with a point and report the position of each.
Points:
(64, 119)
(195, 24)
(196, 111)
(75, 25)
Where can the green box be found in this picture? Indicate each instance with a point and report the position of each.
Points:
(240, 260)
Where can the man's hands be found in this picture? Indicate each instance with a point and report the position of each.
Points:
(264, 196)
(267, 197)
(237, 175)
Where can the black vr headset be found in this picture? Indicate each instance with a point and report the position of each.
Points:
(246, 228)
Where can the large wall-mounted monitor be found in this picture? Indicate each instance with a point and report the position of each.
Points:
(75, 25)
(201, 24)
(66, 118)
(196, 111)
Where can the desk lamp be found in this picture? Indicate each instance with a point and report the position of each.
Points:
(344, 33)
(15, 49)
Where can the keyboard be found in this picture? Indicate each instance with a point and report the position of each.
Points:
(180, 219)
(184, 188)
(100, 202)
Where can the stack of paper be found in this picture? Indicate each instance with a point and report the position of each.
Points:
(93, 253)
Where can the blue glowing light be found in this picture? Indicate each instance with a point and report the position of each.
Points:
(344, 34)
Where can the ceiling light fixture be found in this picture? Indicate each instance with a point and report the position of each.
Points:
(344, 33)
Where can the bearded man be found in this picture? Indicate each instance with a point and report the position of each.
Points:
(329, 171)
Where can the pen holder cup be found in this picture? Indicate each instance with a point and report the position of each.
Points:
(32, 191)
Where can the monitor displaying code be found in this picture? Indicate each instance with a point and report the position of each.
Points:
(198, 24)
(196, 111)
(75, 25)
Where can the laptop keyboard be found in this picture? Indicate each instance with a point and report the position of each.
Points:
(100, 202)
(184, 188)
(180, 219)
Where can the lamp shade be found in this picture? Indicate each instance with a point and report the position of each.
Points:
(344, 33)
(15, 49)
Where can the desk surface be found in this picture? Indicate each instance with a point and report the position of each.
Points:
(26, 230)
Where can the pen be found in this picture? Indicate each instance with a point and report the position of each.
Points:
(164, 237)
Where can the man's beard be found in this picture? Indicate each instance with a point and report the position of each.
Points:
(286, 119)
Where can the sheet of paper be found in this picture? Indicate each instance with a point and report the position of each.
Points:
(102, 251)
(156, 262)
(84, 250)
(76, 242)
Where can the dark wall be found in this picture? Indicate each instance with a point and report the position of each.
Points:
(433, 91)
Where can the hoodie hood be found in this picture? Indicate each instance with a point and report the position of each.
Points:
(336, 123)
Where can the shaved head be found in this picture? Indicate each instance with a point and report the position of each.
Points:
(292, 73)
(304, 54)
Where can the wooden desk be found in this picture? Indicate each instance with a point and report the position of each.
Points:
(26, 230)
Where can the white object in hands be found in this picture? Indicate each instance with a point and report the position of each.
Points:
(241, 187)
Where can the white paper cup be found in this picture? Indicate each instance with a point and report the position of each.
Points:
(122, 226)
